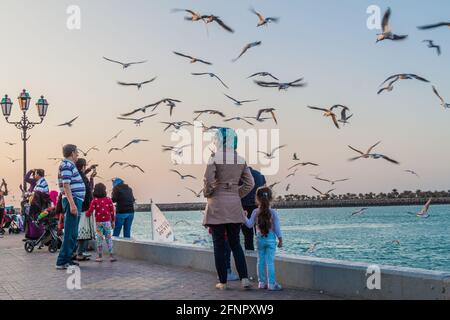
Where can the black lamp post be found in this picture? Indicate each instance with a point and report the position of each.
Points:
(24, 124)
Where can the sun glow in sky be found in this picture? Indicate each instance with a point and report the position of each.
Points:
(327, 42)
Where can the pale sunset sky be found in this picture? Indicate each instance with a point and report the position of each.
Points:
(327, 42)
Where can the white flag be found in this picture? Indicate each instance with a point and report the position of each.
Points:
(162, 231)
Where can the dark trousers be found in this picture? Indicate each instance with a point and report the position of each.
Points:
(232, 230)
(249, 233)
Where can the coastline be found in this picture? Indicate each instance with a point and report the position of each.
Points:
(301, 204)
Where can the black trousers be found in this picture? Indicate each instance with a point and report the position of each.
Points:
(232, 231)
(249, 233)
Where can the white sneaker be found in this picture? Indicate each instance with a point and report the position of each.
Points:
(245, 283)
(221, 286)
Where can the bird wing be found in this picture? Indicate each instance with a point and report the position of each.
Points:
(419, 78)
(110, 60)
(260, 17)
(436, 25)
(176, 172)
(149, 116)
(330, 191)
(360, 152)
(199, 73)
(232, 98)
(317, 108)
(220, 81)
(372, 147)
(293, 83)
(270, 75)
(317, 190)
(126, 84)
(266, 84)
(385, 22)
(333, 116)
(391, 77)
(137, 62)
(437, 93)
(389, 159)
(182, 55)
(122, 118)
(274, 117)
(277, 148)
(242, 52)
(223, 25)
(295, 165)
(148, 81)
(321, 179)
(204, 62)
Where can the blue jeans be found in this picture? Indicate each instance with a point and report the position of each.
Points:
(267, 246)
(69, 243)
(124, 220)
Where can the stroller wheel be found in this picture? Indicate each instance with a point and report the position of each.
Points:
(29, 246)
(53, 247)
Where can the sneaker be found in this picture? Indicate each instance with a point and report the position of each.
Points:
(231, 276)
(245, 283)
(87, 255)
(275, 287)
(221, 286)
(262, 285)
(62, 267)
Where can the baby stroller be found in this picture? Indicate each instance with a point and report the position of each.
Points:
(11, 222)
(48, 222)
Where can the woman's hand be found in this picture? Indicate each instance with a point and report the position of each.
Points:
(244, 214)
(280, 242)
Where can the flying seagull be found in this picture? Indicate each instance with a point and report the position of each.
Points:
(288, 187)
(263, 74)
(193, 60)
(69, 123)
(404, 76)
(197, 194)
(267, 110)
(194, 15)
(118, 163)
(344, 117)
(358, 212)
(332, 182)
(413, 173)
(177, 150)
(292, 174)
(322, 194)
(125, 65)
(261, 119)
(389, 87)
(89, 150)
(133, 166)
(171, 103)
(432, 45)
(136, 84)
(436, 25)
(137, 121)
(134, 141)
(270, 155)
(387, 32)
(177, 125)
(263, 20)
(114, 149)
(115, 137)
(281, 85)
(273, 185)
(246, 48)
(10, 143)
(183, 176)
(239, 119)
(330, 113)
(212, 75)
(239, 102)
(212, 18)
(443, 103)
(212, 112)
(141, 109)
(303, 164)
(295, 157)
(368, 154)
(423, 213)
(12, 160)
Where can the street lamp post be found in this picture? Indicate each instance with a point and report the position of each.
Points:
(24, 124)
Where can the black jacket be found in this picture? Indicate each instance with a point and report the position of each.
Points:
(88, 183)
(122, 195)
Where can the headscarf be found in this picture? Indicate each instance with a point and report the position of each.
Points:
(226, 139)
(116, 181)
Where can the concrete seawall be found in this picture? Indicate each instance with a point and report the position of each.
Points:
(196, 206)
(339, 278)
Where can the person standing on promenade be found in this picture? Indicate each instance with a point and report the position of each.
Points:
(3, 194)
(249, 204)
(268, 230)
(86, 227)
(123, 196)
(223, 213)
(34, 178)
(73, 191)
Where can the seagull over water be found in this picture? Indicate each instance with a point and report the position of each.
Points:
(423, 213)
(239, 102)
(246, 48)
(193, 60)
(138, 85)
(263, 74)
(138, 121)
(368, 154)
(281, 85)
(332, 182)
(69, 123)
(358, 212)
(443, 103)
(432, 45)
(196, 194)
(323, 195)
(387, 33)
(330, 113)
(263, 20)
(125, 64)
(212, 75)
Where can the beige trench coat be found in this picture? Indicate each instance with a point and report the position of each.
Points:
(223, 192)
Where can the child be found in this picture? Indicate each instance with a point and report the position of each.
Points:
(104, 220)
(267, 232)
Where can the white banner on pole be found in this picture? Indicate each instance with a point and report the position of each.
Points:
(162, 232)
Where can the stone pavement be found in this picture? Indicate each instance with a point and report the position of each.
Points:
(33, 276)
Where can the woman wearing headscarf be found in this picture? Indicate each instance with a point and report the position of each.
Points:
(227, 179)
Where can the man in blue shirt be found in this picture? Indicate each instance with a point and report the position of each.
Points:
(249, 204)
(73, 191)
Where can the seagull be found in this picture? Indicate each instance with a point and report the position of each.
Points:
(273, 185)
(177, 150)
(292, 174)
(69, 123)
(263, 74)
(141, 109)
(212, 75)
(12, 160)
(263, 20)
(136, 84)
(193, 60)
(313, 247)
(90, 149)
(121, 164)
(403, 76)
(267, 110)
(357, 212)
(169, 102)
(258, 119)
(288, 187)
(333, 182)
(303, 164)
(183, 176)
(11, 143)
(436, 25)
(368, 154)
(115, 137)
(432, 45)
(212, 18)
(125, 65)
(55, 159)
(134, 142)
(330, 113)
(387, 33)
(239, 102)
(239, 119)
(176, 125)
(423, 213)
(114, 149)
(443, 103)
(323, 195)
(412, 172)
(389, 87)
(295, 157)
(133, 166)
(344, 118)
(200, 112)
(197, 194)
(246, 48)
(138, 121)
(281, 86)
(194, 15)
(270, 155)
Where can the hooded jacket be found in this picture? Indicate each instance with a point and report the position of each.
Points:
(122, 196)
